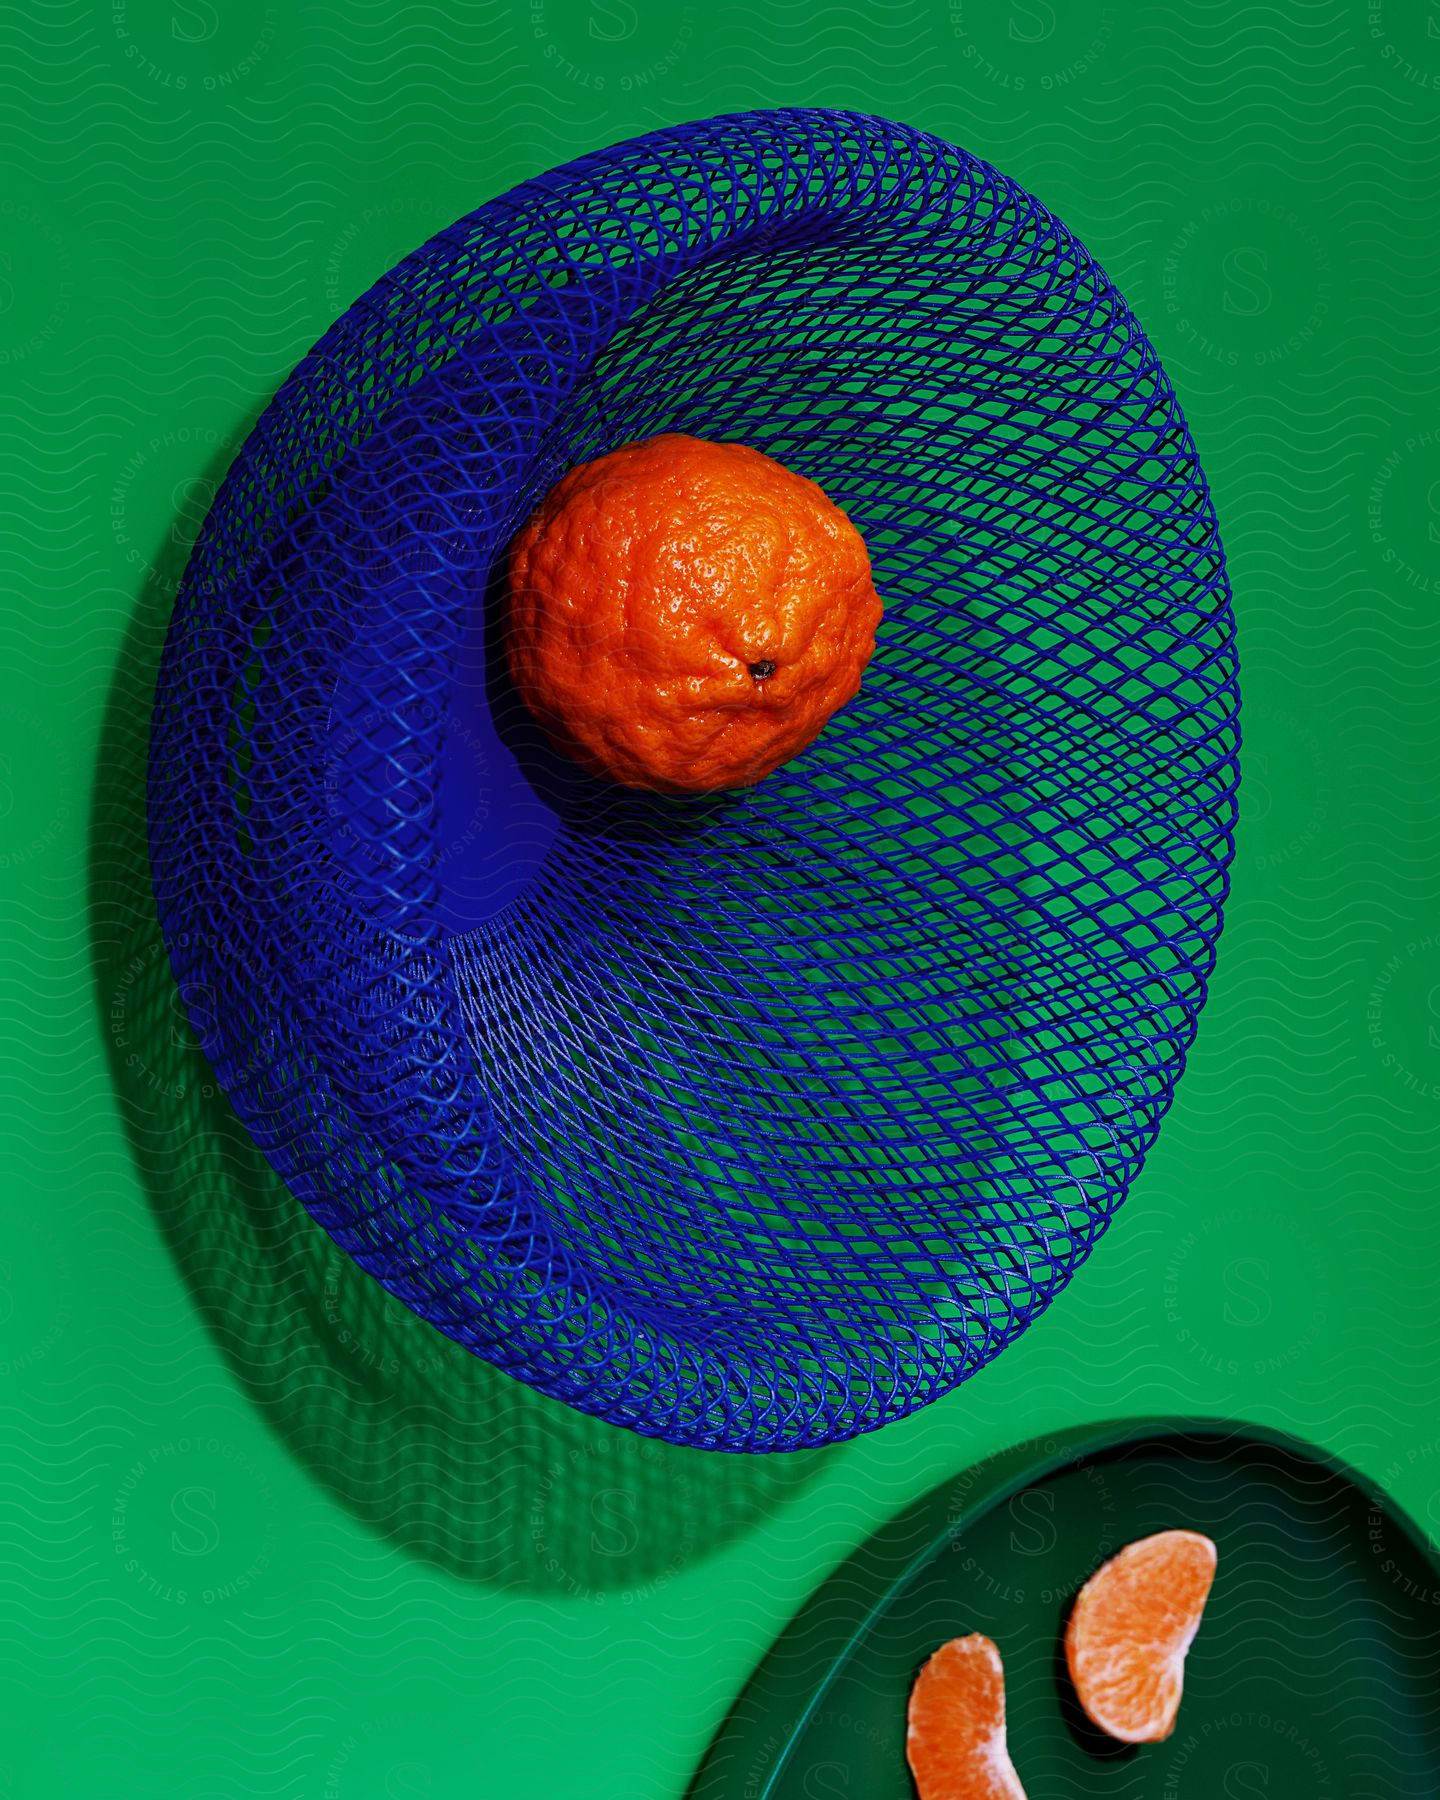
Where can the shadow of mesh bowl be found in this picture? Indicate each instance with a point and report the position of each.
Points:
(756, 1122)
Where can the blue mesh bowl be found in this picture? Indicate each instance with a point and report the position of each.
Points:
(757, 1121)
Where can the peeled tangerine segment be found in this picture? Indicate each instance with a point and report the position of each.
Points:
(956, 1739)
(1131, 1627)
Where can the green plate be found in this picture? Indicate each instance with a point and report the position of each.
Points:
(1316, 1671)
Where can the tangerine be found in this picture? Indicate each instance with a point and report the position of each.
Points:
(956, 1737)
(1130, 1630)
(687, 615)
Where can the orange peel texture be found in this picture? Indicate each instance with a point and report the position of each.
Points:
(685, 616)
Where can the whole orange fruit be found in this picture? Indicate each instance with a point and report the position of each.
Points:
(686, 616)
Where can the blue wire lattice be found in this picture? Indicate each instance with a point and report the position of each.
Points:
(758, 1122)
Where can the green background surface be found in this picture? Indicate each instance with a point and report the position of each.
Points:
(263, 1534)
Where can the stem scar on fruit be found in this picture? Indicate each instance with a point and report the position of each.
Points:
(686, 616)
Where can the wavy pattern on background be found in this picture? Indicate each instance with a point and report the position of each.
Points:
(170, 256)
